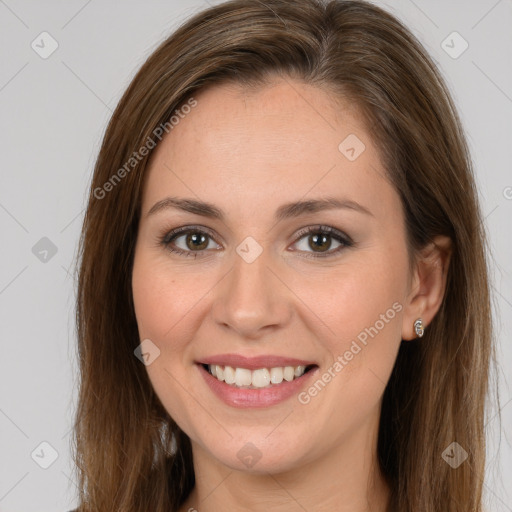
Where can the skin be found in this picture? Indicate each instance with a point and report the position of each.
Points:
(248, 152)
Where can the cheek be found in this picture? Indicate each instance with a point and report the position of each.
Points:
(159, 311)
(162, 299)
(363, 311)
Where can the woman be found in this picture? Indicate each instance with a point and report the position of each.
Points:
(283, 299)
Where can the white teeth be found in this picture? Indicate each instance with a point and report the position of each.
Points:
(276, 375)
(229, 375)
(299, 370)
(288, 373)
(243, 377)
(260, 378)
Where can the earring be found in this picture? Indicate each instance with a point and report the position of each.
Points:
(418, 327)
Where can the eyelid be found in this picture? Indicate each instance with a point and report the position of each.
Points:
(322, 228)
(340, 236)
(173, 234)
(185, 229)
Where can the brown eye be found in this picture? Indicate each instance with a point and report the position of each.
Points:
(196, 241)
(317, 242)
(188, 241)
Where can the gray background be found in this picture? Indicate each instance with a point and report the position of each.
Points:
(53, 114)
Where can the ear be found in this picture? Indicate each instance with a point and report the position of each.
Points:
(428, 285)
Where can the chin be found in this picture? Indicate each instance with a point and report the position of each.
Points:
(259, 453)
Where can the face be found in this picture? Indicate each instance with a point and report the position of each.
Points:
(256, 285)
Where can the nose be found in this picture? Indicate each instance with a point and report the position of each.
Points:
(251, 300)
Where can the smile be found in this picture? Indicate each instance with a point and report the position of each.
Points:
(245, 378)
(254, 382)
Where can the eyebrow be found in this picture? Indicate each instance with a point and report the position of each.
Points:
(284, 212)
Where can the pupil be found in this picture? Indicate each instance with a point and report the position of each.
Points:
(193, 238)
(321, 242)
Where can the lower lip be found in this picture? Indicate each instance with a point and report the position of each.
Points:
(264, 397)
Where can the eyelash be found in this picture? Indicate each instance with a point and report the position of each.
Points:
(345, 240)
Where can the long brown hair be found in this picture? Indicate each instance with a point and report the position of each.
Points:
(437, 391)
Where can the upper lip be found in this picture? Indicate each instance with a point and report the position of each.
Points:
(253, 363)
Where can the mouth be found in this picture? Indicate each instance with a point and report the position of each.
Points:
(259, 378)
(254, 382)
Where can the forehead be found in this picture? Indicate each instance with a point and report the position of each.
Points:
(278, 142)
(283, 114)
